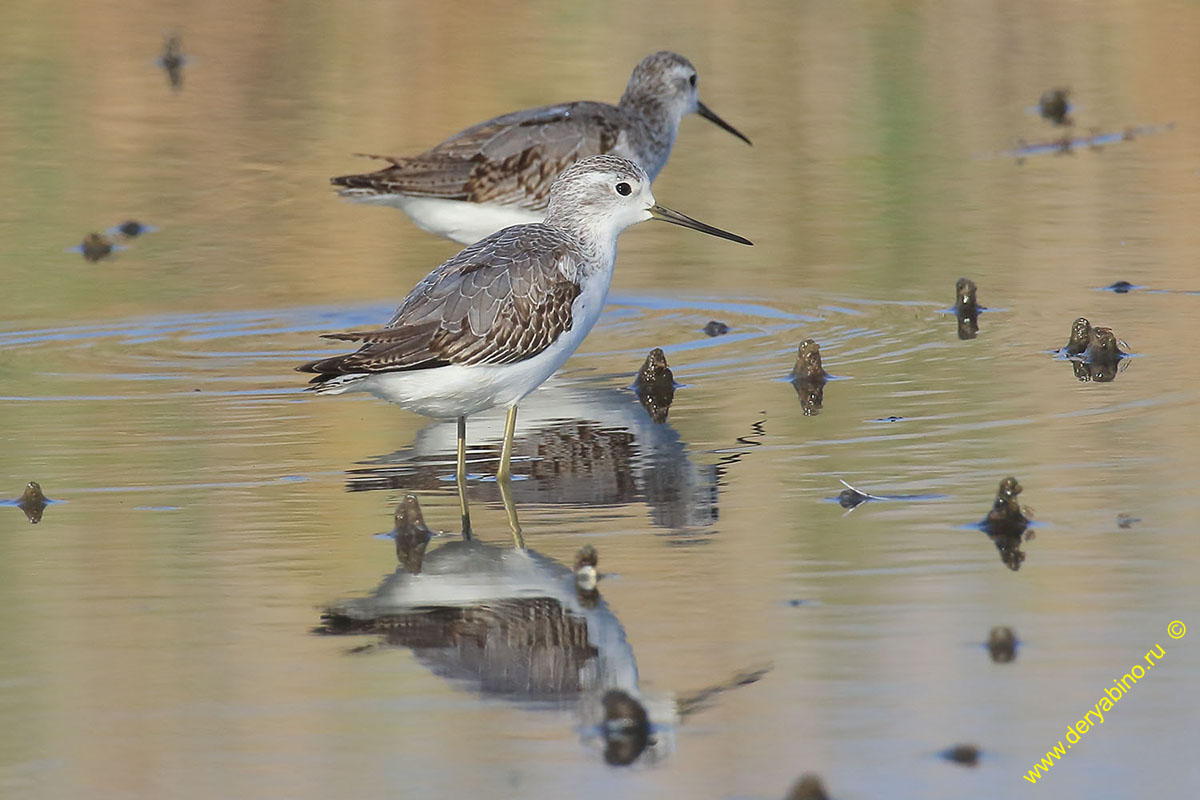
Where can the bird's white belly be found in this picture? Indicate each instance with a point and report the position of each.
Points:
(458, 220)
(454, 390)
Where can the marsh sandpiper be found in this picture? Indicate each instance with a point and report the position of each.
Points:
(499, 173)
(488, 326)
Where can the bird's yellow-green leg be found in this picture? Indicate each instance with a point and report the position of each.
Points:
(504, 478)
(460, 474)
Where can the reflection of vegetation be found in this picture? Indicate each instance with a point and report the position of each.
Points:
(1067, 144)
(904, 191)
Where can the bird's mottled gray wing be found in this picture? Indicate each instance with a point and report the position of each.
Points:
(502, 300)
(511, 159)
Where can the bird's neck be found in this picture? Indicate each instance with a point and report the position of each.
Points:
(652, 127)
(592, 234)
(600, 248)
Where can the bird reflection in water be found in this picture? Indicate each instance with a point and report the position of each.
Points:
(575, 444)
(512, 623)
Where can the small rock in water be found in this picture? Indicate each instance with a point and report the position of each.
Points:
(965, 301)
(966, 308)
(132, 228)
(808, 377)
(852, 498)
(714, 328)
(1125, 520)
(1007, 515)
(1002, 644)
(626, 728)
(96, 246)
(1097, 361)
(1120, 287)
(655, 385)
(809, 787)
(1102, 349)
(1007, 522)
(172, 61)
(808, 363)
(1054, 105)
(1081, 334)
(965, 754)
(411, 533)
(33, 502)
(1094, 352)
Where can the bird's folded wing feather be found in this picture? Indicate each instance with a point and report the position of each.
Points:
(511, 159)
(502, 300)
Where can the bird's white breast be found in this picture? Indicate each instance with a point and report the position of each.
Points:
(462, 390)
(458, 220)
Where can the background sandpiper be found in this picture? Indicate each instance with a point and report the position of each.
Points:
(488, 326)
(499, 173)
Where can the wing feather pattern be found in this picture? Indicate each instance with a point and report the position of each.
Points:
(510, 160)
(502, 300)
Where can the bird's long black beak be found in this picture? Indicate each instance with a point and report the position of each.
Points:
(708, 114)
(667, 215)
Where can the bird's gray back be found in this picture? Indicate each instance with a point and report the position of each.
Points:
(504, 299)
(511, 159)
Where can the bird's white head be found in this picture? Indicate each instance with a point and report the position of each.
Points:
(598, 197)
(604, 194)
(669, 81)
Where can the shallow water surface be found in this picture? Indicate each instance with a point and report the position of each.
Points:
(159, 623)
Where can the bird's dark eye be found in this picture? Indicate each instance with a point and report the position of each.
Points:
(624, 189)
(692, 80)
